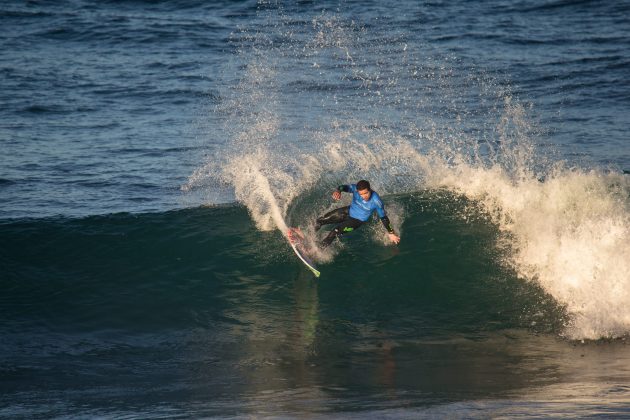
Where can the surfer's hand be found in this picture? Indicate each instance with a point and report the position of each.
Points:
(394, 238)
(336, 195)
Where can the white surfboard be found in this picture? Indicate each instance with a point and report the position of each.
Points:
(296, 242)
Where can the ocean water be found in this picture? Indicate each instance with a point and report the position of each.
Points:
(154, 153)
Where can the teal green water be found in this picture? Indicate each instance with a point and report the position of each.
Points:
(198, 308)
(445, 276)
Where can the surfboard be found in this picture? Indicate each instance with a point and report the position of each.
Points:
(296, 240)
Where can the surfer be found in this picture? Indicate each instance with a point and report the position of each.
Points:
(364, 203)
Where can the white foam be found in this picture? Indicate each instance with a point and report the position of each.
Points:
(570, 234)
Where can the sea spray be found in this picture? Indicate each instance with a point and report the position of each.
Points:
(267, 162)
(362, 121)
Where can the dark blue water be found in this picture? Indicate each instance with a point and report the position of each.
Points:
(154, 152)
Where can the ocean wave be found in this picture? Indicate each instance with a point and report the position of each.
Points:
(156, 252)
(561, 229)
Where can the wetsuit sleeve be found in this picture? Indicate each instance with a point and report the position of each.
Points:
(380, 209)
(344, 188)
(387, 224)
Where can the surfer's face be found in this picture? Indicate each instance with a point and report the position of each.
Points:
(365, 194)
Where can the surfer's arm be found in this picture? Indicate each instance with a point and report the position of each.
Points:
(387, 224)
(336, 195)
(390, 230)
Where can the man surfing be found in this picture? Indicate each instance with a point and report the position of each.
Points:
(364, 203)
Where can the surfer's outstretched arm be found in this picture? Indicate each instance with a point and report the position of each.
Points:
(380, 209)
(390, 230)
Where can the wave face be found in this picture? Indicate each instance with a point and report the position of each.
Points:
(409, 119)
(103, 272)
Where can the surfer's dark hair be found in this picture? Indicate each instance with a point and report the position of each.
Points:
(363, 185)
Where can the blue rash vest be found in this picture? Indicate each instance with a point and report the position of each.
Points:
(360, 209)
